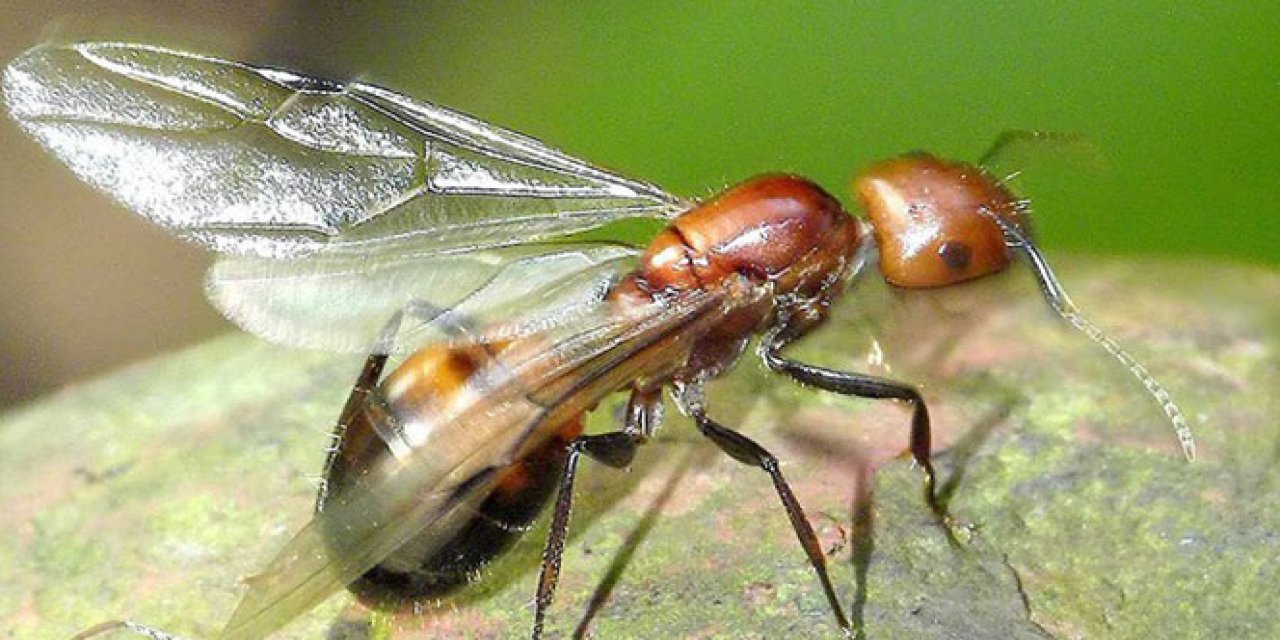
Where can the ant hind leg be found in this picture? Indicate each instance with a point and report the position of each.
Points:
(746, 451)
(128, 625)
(615, 449)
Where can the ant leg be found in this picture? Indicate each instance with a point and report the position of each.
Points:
(615, 449)
(365, 383)
(371, 373)
(746, 451)
(867, 386)
(127, 625)
(451, 324)
(644, 412)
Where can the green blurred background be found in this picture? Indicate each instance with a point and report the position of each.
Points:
(1182, 100)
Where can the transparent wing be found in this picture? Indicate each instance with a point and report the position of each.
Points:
(257, 161)
(340, 301)
(532, 386)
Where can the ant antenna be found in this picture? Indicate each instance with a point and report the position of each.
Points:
(1067, 310)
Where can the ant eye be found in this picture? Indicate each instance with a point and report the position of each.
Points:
(956, 255)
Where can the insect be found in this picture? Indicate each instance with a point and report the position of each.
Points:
(347, 215)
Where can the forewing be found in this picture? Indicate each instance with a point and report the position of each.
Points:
(257, 161)
(339, 301)
(534, 385)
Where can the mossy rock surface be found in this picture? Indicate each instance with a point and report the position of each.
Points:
(150, 493)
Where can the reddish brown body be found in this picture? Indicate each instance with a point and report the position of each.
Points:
(778, 231)
(781, 236)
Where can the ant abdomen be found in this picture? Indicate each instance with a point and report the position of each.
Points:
(416, 392)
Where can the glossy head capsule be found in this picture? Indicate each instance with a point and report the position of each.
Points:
(932, 219)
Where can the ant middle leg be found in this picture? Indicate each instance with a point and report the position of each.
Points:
(615, 449)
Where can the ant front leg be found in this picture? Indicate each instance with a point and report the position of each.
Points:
(867, 386)
(615, 449)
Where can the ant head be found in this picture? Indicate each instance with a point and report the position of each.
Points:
(938, 223)
(935, 221)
